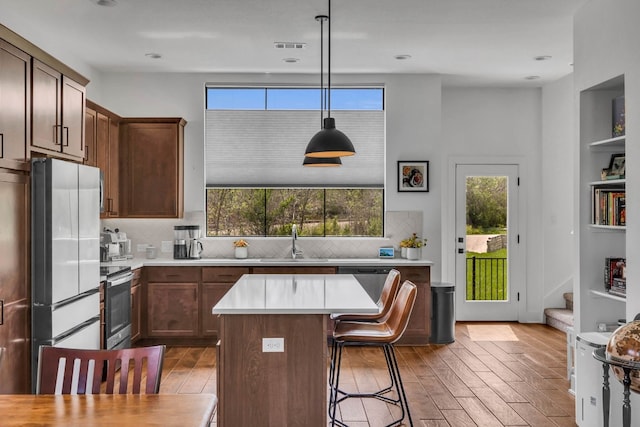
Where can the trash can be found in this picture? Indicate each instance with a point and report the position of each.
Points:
(443, 317)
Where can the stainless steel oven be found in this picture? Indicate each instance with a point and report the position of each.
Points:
(117, 308)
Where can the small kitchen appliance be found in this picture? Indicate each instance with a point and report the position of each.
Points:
(194, 247)
(114, 245)
(186, 242)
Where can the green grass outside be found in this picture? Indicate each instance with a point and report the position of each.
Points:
(491, 287)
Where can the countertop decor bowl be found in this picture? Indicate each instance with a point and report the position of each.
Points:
(624, 346)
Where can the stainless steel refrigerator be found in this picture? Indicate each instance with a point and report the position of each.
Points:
(65, 263)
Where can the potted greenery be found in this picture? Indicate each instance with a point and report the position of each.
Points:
(242, 248)
(411, 246)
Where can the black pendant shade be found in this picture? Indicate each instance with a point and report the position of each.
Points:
(329, 142)
(321, 162)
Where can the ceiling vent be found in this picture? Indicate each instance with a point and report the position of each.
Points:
(289, 45)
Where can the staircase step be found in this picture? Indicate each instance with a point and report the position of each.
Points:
(559, 318)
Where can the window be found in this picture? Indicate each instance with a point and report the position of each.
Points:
(272, 211)
(256, 184)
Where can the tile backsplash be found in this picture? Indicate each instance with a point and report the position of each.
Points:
(398, 226)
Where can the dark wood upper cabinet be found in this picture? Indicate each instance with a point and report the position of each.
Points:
(15, 102)
(58, 112)
(90, 143)
(151, 167)
(105, 135)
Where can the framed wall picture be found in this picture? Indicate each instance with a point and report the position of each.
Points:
(413, 175)
(616, 166)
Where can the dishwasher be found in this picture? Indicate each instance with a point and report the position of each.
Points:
(371, 278)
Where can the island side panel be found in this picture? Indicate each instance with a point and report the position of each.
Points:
(279, 388)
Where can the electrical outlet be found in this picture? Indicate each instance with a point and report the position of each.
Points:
(141, 247)
(272, 345)
(167, 247)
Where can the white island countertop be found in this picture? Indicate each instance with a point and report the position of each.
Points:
(296, 294)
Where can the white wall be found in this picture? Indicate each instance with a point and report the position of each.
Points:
(558, 258)
(501, 125)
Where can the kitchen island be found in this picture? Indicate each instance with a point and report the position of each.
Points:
(272, 351)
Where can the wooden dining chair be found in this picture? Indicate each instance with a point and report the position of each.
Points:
(79, 371)
(384, 334)
(389, 290)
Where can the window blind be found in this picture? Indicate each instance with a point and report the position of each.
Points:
(265, 148)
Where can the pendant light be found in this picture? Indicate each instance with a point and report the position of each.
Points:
(329, 142)
(321, 161)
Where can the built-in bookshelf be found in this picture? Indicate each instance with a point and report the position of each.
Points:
(602, 203)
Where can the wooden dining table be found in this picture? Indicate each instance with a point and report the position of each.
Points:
(184, 410)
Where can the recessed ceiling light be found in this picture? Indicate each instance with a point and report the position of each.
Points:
(532, 77)
(542, 57)
(291, 60)
(402, 57)
(153, 55)
(107, 3)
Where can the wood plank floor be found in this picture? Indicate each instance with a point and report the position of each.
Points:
(495, 374)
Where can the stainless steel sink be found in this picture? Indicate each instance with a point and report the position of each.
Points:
(287, 260)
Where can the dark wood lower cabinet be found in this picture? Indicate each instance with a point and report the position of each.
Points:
(15, 368)
(419, 327)
(177, 301)
(172, 309)
(136, 314)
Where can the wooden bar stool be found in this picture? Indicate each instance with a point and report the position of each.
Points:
(383, 333)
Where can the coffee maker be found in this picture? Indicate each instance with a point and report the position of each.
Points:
(186, 242)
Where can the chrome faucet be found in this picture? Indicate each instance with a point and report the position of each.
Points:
(294, 236)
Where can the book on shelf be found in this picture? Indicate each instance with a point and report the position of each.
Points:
(614, 268)
(619, 287)
(609, 206)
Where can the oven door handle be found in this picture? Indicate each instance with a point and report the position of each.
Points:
(120, 280)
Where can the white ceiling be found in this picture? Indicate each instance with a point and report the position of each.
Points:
(485, 42)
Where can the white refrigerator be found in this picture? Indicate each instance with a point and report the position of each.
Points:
(65, 262)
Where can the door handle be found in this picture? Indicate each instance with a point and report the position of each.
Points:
(1, 145)
(1, 312)
(66, 130)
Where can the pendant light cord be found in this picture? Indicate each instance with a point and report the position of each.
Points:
(329, 62)
(322, 96)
